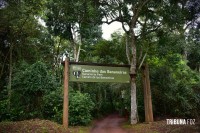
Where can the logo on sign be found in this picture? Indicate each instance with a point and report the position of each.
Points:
(77, 71)
(77, 74)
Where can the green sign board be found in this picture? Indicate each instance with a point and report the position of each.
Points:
(93, 73)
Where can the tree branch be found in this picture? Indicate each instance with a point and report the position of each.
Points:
(136, 11)
(127, 49)
(142, 60)
(111, 21)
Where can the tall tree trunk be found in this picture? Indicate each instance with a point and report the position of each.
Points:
(10, 77)
(133, 80)
(78, 53)
(75, 50)
(136, 10)
(133, 101)
(57, 59)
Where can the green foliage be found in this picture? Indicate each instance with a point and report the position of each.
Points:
(20, 32)
(108, 98)
(193, 50)
(161, 32)
(53, 105)
(34, 79)
(29, 86)
(174, 88)
(80, 107)
(4, 115)
(62, 17)
(107, 51)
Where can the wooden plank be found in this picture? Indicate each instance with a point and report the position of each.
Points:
(65, 98)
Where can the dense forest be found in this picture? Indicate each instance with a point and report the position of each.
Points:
(37, 35)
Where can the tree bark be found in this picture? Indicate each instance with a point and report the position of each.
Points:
(136, 10)
(133, 102)
(78, 53)
(133, 80)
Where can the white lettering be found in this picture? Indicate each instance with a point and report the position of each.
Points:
(180, 121)
(107, 77)
(90, 71)
(114, 72)
(102, 71)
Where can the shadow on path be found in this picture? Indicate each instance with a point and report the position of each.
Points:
(110, 124)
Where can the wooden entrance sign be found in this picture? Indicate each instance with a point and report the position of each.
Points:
(85, 72)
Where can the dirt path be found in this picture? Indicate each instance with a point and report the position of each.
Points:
(110, 124)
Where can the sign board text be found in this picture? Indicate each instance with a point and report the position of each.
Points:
(94, 73)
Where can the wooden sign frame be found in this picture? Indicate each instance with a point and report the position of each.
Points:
(146, 85)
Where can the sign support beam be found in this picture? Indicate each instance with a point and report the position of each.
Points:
(147, 94)
(65, 98)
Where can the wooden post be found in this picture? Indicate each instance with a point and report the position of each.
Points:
(149, 100)
(65, 99)
(147, 94)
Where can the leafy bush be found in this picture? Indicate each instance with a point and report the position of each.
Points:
(30, 84)
(80, 107)
(53, 105)
(4, 114)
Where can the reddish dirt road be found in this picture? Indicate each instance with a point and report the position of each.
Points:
(110, 124)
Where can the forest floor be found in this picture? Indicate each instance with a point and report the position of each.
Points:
(110, 124)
